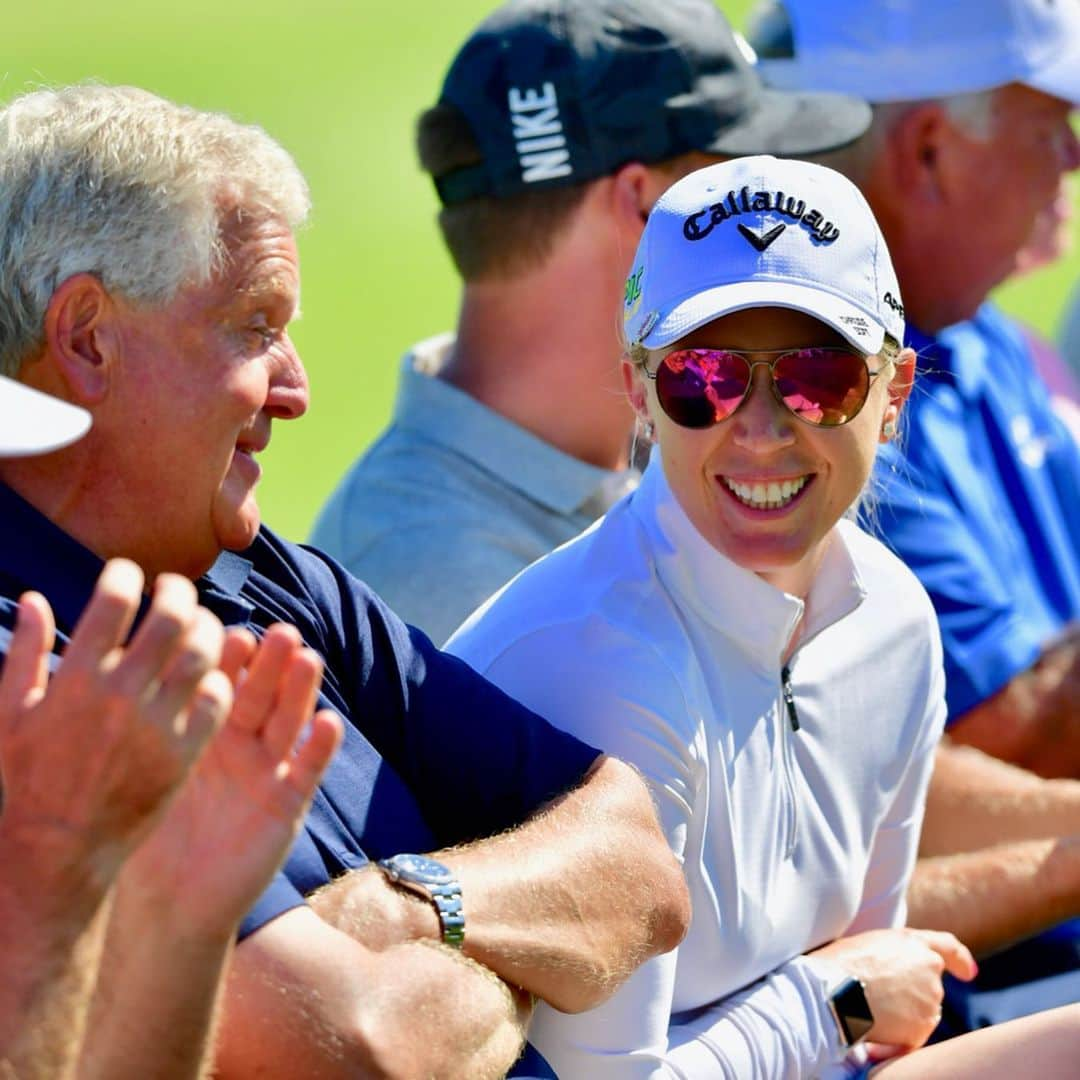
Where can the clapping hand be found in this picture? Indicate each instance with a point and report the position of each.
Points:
(90, 758)
(232, 825)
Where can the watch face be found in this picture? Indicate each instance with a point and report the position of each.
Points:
(853, 1011)
(420, 868)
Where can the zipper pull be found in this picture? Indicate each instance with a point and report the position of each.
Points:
(789, 697)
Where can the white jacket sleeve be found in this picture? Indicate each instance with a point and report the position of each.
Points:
(632, 706)
(779, 1027)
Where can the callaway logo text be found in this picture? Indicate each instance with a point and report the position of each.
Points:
(698, 226)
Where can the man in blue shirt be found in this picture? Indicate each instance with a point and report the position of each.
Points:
(165, 313)
(968, 147)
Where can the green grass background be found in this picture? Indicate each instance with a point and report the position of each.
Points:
(340, 85)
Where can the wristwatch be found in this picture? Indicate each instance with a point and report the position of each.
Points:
(851, 1010)
(431, 879)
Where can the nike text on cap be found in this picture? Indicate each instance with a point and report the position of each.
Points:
(762, 232)
(558, 92)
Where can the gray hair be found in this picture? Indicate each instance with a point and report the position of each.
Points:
(117, 182)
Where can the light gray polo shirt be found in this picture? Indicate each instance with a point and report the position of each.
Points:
(453, 500)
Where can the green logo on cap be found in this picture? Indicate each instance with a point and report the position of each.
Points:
(632, 296)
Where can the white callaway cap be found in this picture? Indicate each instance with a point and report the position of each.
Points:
(762, 232)
(33, 423)
(903, 50)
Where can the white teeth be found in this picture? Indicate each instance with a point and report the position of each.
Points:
(766, 496)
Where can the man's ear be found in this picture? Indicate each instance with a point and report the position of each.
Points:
(918, 154)
(79, 336)
(635, 188)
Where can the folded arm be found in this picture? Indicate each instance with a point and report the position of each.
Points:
(996, 896)
(304, 999)
(1033, 720)
(1000, 851)
(565, 906)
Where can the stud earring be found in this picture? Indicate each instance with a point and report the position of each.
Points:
(889, 429)
(650, 430)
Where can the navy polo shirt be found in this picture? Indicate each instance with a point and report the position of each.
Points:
(433, 754)
(981, 498)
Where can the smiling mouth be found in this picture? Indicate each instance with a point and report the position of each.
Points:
(771, 496)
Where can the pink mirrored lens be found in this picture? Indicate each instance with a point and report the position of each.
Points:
(824, 386)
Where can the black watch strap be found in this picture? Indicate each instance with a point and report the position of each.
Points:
(851, 1011)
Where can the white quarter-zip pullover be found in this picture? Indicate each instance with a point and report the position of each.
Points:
(796, 821)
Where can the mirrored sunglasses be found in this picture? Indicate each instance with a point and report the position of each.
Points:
(823, 385)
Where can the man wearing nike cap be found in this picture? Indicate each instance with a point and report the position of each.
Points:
(970, 144)
(558, 125)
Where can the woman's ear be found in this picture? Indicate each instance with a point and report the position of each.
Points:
(634, 384)
(899, 388)
(78, 332)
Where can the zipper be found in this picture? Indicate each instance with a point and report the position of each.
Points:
(789, 697)
(788, 719)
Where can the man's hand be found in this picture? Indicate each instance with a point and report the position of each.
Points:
(181, 895)
(232, 824)
(88, 762)
(89, 759)
(901, 970)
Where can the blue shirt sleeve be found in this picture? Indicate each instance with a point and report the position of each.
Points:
(476, 761)
(986, 641)
(280, 896)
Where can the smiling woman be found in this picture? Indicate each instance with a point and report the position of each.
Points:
(773, 671)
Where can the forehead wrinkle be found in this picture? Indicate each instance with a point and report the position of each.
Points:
(275, 288)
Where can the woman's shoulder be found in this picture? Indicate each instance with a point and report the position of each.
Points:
(886, 578)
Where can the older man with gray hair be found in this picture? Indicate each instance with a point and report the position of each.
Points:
(149, 272)
(117, 754)
(969, 146)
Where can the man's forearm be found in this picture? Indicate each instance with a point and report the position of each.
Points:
(565, 907)
(154, 1004)
(994, 897)
(1033, 721)
(52, 928)
(977, 801)
(305, 1000)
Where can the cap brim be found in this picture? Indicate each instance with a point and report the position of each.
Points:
(1061, 79)
(865, 333)
(33, 423)
(792, 124)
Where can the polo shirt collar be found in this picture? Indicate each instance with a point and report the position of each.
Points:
(756, 617)
(956, 355)
(434, 409)
(39, 555)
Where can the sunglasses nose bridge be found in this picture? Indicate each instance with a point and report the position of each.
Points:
(757, 383)
(762, 415)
